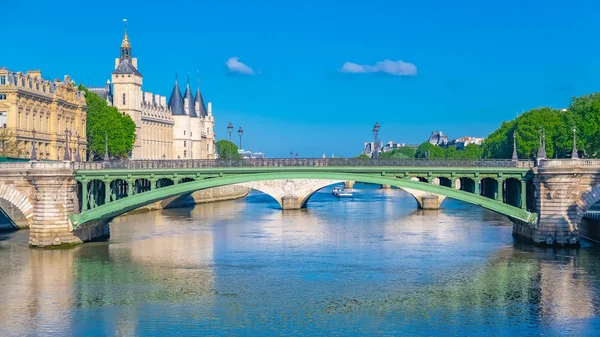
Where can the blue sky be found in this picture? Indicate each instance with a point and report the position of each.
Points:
(477, 63)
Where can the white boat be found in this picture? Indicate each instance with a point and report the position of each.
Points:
(340, 192)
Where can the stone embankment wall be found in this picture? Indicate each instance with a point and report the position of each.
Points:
(221, 193)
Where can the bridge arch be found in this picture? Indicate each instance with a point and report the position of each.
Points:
(16, 205)
(290, 193)
(124, 205)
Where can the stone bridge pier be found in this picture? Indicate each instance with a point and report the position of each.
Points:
(290, 193)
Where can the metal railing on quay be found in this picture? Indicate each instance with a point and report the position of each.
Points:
(291, 162)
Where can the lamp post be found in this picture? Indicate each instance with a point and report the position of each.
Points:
(33, 154)
(296, 155)
(106, 157)
(542, 148)
(574, 153)
(515, 157)
(240, 133)
(78, 155)
(67, 156)
(291, 154)
(375, 140)
(230, 130)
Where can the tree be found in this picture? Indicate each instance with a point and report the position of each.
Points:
(362, 156)
(430, 151)
(9, 146)
(227, 150)
(106, 121)
(403, 152)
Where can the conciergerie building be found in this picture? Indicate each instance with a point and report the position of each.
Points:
(181, 128)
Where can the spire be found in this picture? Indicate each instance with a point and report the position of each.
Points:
(190, 99)
(201, 106)
(125, 45)
(176, 101)
(515, 157)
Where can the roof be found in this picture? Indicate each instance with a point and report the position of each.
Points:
(176, 102)
(200, 100)
(191, 103)
(126, 68)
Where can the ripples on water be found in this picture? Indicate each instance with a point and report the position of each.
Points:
(368, 266)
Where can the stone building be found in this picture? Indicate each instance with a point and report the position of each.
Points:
(179, 129)
(30, 103)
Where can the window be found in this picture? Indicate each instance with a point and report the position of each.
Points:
(2, 119)
(2, 80)
(2, 96)
(184, 132)
(184, 143)
(123, 99)
(184, 153)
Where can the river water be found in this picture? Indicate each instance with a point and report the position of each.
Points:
(371, 265)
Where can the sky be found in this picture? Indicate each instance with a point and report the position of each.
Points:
(314, 76)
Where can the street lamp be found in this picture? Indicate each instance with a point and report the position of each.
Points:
(291, 154)
(67, 156)
(33, 155)
(230, 130)
(106, 157)
(574, 153)
(375, 140)
(296, 155)
(515, 157)
(240, 133)
(78, 156)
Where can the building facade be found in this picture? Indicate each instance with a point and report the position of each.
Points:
(50, 110)
(182, 128)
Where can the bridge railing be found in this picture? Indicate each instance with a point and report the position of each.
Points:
(569, 163)
(290, 162)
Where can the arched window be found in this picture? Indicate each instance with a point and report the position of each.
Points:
(123, 99)
(184, 153)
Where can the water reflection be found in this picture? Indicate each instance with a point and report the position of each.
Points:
(363, 266)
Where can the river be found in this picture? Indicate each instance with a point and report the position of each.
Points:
(371, 265)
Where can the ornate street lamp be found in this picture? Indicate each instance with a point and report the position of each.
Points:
(291, 154)
(230, 130)
(574, 153)
(67, 156)
(78, 155)
(375, 140)
(515, 157)
(296, 155)
(542, 147)
(240, 133)
(33, 154)
(106, 157)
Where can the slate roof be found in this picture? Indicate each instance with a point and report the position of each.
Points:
(192, 104)
(176, 102)
(126, 68)
(199, 99)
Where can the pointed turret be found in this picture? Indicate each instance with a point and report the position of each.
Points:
(176, 101)
(200, 101)
(189, 100)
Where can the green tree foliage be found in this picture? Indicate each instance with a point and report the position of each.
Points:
(9, 146)
(227, 150)
(362, 156)
(430, 151)
(557, 128)
(106, 121)
(403, 152)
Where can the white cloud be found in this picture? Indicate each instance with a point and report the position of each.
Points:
(397, 68)
(234, 65)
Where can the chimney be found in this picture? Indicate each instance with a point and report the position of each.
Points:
(34, 73)
(209, 108)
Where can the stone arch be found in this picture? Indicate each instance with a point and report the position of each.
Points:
(290, 193)
(576, 211)
(16, 205)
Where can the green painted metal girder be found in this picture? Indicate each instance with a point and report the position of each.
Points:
(235, 176)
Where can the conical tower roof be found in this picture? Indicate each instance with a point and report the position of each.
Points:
(202, 109)
(176, 101)
(192, 104)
